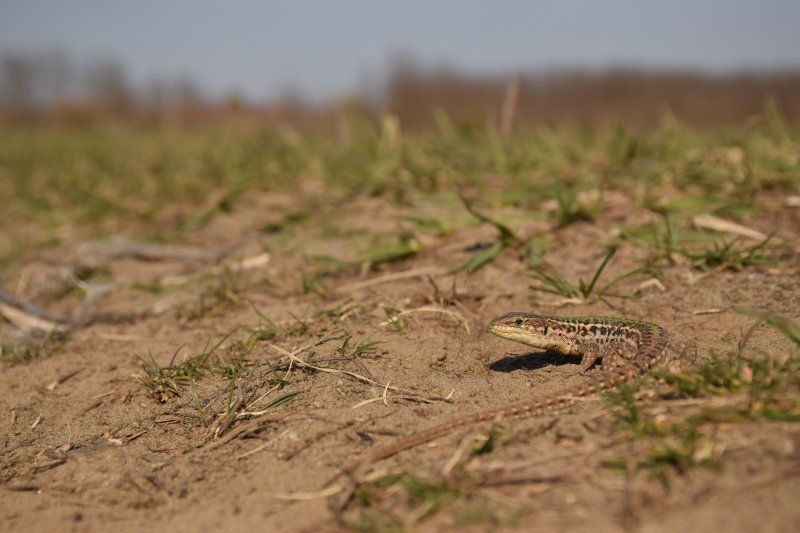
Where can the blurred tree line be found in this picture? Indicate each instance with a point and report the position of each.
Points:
(47, 87)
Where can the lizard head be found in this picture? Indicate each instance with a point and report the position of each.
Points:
(534, 330)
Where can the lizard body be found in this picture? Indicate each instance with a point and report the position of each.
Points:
(629, 349)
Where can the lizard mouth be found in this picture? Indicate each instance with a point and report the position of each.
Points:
(503, 330)
(512, 333)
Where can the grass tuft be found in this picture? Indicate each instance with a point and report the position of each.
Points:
(360, 348)
(553, 282)
(165, 382)
(731, 255)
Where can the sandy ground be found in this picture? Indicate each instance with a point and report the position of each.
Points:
(85, 446)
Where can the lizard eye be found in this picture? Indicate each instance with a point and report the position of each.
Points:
(546, 329)
(518, 322)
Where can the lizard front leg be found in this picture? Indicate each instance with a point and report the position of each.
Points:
(590, 353)
(613, 355)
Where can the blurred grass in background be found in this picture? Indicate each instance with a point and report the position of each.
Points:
(111, 177)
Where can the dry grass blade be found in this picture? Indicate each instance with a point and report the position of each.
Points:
(243, 265)
(302, 364)
(726, 226)
(388, 278)
(315, 495)
(29, 317)
(446, 312)
(247, 428)
(274, 403)
(385, 398)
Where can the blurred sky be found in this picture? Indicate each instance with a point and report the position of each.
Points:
(327, 49)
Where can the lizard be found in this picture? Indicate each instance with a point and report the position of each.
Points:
(629, 349)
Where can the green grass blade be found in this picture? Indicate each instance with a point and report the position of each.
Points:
(485, 257)
(606, 259)
(506, 233)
